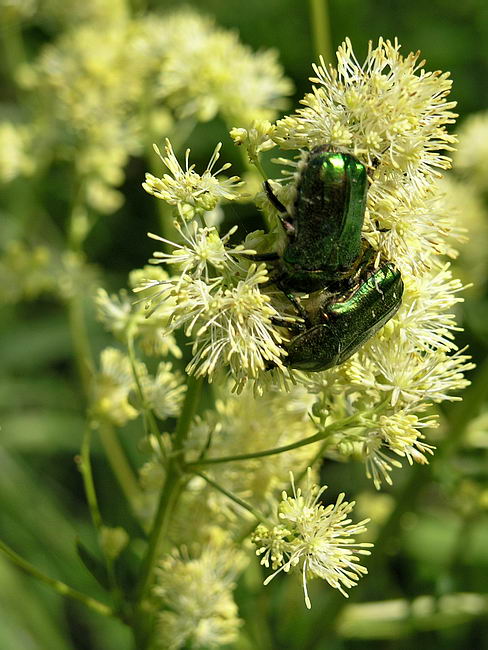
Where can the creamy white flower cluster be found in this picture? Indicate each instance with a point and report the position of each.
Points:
(122, 316)
(215, 294)
(393, 116)
(115, 386)
(206, 71)
(316, 539)
(378, 405)
(195, 594)
(193, 194)
(103, 99)
(239, 425)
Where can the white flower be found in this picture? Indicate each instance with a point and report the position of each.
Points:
(192, 193)
(113, 311)
(471, 157)
(256, 139)
(413, 377)
(423, 320)
(398, 432)
(208, 71)
(196, 590)
(383, 111)
(112, 387)
(232, 326)
(165, 392)
(202, 248)
(316, 539)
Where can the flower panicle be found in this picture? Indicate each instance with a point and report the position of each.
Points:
(195, 591)
(392, 115)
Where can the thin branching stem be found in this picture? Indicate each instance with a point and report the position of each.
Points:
(317, 437)
(234, 497)
(91, 497)
(86, 366)
(169, 495)
(121, 467)
(59, 587)
(149, 420)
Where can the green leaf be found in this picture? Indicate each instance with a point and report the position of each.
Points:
(43, 430)
(35, 343)
(93, 564)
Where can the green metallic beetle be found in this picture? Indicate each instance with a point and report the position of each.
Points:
(342, 326)
(325, 253)
(324, 228)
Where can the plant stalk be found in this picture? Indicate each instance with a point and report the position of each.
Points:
(168, 498)
(59, 587)
(320, 25)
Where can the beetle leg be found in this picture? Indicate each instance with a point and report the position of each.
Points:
(301, 311)
(276, 203)
(279, 281)
(293, 326)
(273, 198)
(262, 257)
(362, 265)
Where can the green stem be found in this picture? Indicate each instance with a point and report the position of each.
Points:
(13, 48)
(257, 163)
(79, 333)
(169, 495)
(258, 454)
(81, 342)
(317, 437)
(168, 498)
(234, 498)
(167, 501)
(320, 24)
(87, 474)
(150, 424)
(58, 586)
(85, 363)
(91, 497)
(178, 137)
(120, 466)
(110, 442)
(192, 398)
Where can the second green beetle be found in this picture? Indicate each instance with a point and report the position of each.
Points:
(343, 325)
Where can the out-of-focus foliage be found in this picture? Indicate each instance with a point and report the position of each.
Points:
(87, 87)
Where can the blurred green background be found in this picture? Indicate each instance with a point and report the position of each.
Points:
(433, 565)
